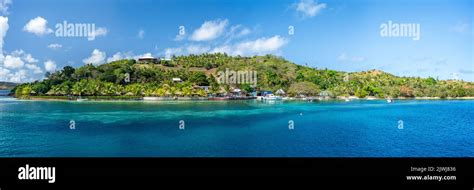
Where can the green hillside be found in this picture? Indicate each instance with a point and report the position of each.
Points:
(131, 78)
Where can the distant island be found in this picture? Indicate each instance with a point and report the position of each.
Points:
(195, 76)
(7, 85)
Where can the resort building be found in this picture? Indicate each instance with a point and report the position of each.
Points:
(265, 92)
(205, 88)
(236, 92)
(280, 92)
(148, 59)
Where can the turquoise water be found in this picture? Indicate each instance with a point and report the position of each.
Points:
(237, 128)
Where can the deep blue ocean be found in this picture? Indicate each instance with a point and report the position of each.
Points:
(406, 128)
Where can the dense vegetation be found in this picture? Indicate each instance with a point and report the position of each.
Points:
(131, 78)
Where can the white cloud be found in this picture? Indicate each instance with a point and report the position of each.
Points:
(180, 37)
(24, 56)
(169, 52)
(13, 62)
(3, 31)
(223, 49)
(29, 58)
(128, 55)
(97, 57)
(50, 66)
(117, 56)
(239, 30)
(236, 31)
(38, 26)
(263, 45)
(18, 76)
(34, 68)
(347, 58)
(260, 46)
(101, 31)
(4, 73)
(309, 8)
(4, 4)
(197, 49)
(55, 46)
(17, 60)
(244, 32)
(141, 34)
(17, 53)
(209, 30)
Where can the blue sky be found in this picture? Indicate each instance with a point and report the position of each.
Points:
(334, 34)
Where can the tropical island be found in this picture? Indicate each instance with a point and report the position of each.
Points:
(194, 76)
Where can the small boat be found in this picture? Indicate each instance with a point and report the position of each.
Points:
(389, 100)
(272, 97)
(81, 99)
(346, 99)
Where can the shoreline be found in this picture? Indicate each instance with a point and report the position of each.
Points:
(171, 99)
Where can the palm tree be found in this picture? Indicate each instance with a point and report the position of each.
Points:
(160, 92)
(187, 90)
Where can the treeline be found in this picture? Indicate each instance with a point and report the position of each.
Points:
(124, 77)
(129, 78)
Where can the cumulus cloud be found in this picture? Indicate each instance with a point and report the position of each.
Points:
(97, 57)
(34, 68)
(101, 31)
(169, 52)
(214, 29)
(117, 56)
(259, 46)
(197, 49)
(239, 30)
(29, 58)
(209, 30)
(179, 37)
(38, 26)
(4, 4)
(55, 46)
(4, 73)
(309, 8)
(19, 76)
(347, 58)
(236, 31)
(128, 55)
(24, 56)
(13, 62)
(50, 66)
(3, 31)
